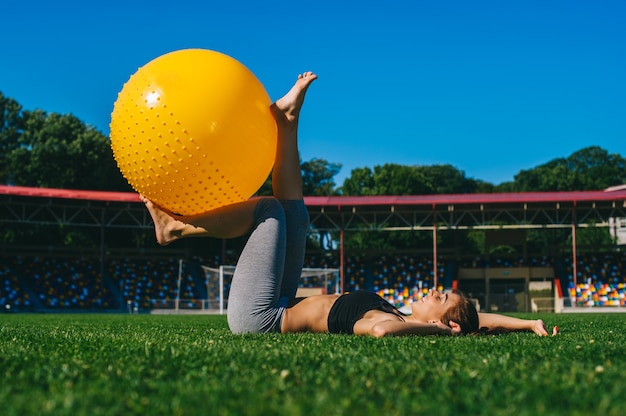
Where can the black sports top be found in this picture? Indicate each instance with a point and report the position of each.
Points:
(351, 307)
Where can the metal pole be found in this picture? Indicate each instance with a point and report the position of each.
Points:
(102, 229)
(341, 253)
(435, 266)
(222, 290)
(341, 261)
(574, 253)
(206, 284)
(180, 275)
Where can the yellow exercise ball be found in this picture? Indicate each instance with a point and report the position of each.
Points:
(192, 131)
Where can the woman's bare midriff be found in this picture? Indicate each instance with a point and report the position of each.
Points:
(308, 314)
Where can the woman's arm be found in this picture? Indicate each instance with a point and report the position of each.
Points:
(496, 322)
(399, 328)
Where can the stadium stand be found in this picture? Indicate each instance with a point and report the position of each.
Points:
(318, 262)
(356, 274)
(48, 283)
(154, 283)
(403, 279)
(69, 283)
(601, 279)
(12, 294)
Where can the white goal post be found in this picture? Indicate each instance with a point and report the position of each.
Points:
(312, 281)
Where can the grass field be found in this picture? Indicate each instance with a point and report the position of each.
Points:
(73, 364)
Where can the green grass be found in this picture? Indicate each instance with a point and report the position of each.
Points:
(120, 364)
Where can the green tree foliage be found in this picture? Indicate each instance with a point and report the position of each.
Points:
(591, 168)
(394, 179)
(360, 182)
(318, 177)
(55, 151)
(10, 130)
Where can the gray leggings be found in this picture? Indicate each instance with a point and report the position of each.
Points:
(269, 268)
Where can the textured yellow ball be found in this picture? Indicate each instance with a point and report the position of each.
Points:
(192, 131)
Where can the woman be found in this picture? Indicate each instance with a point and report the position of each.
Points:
(263, 289)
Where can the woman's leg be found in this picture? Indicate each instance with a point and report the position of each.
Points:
(287, 181)
(254, 297)
(286, 176)
(226, 222)
(269, 268)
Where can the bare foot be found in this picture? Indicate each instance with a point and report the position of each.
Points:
(166, 227)
(287, 108)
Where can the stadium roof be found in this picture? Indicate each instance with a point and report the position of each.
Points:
(69, 194)
(463, 199)
(618, 193)
(411, 212)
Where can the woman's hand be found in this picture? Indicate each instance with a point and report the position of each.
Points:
(539, 328)
(453, 329)
(497, 322)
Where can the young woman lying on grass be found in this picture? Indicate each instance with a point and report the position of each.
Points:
(262, 294)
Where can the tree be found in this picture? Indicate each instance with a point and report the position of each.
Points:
(591, 168)
(317, 177)
(446, 179)
(53, 150)
(10, 131)
(388, 179)
(394, 179)
(360, 182)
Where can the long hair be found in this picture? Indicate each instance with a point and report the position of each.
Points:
(463, 313)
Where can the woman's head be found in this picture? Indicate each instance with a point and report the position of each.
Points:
(446, 307)
(463, 313)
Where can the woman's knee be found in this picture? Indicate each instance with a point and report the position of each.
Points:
(296, 213)
(269, 207)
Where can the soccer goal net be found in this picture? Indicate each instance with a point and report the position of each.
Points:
(312, 282)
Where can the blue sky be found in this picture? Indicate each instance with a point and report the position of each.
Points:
(491, 87)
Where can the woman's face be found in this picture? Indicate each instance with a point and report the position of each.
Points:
(433, 306)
